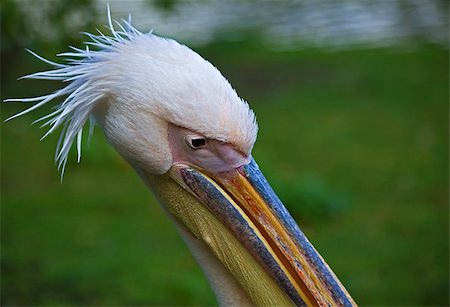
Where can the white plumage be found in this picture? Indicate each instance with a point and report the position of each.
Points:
(151, 81)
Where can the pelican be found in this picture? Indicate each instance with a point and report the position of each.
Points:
(179, 123)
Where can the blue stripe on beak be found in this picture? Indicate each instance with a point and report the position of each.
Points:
(327, 277)
(217, 202)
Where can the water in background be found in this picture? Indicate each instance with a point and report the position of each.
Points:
(280, 24)
(291, 24)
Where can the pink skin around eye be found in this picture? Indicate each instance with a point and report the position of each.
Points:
(215, 156)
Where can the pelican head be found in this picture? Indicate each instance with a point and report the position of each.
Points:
(183, 128)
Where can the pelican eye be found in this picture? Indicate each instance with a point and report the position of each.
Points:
(195, 142)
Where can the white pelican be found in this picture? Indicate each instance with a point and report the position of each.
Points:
(183, 128)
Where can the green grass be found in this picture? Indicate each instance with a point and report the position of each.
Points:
(354, 142)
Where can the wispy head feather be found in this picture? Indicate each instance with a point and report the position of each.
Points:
(83, 89)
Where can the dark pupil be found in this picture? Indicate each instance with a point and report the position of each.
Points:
(198, 142)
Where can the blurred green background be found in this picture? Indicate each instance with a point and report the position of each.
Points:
(353, 137)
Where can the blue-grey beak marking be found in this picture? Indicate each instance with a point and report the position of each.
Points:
(220, 205)
(243, 200)
(259, 182)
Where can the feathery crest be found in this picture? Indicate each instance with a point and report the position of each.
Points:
(81, 93)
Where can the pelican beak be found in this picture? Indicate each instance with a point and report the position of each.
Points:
(243, 200)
